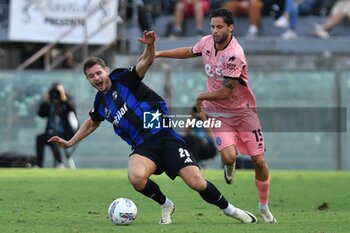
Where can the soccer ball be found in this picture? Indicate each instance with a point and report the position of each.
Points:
(122, 211)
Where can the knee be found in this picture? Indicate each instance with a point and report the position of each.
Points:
(229, 155)
(229, 160)
(137, 180)
(259, 161)
(198, 183)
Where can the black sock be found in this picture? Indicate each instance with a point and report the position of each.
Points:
(212, 195)
(152, 190)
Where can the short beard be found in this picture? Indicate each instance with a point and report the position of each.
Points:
(221, 39)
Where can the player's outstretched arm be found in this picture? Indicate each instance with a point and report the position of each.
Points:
(86, 128)
(147, 58)
(178, 53)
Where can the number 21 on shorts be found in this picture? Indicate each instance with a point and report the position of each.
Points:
(183, 152)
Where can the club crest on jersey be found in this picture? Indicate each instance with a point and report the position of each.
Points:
(218, 141)
(107, 112)
(223, 59)
(114, 95)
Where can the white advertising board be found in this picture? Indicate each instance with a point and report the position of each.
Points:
(48, 20)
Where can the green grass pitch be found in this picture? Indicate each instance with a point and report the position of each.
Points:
(48, 200)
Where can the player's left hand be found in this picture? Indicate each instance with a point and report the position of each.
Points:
(149, 37)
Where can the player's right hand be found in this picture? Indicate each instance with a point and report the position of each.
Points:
(199, 105)
(59, 141)
(149, 37)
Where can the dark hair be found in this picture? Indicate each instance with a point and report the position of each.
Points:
(90, 62)
(225, 14)
(54, 94)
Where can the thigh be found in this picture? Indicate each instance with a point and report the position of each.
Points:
(226, 135)
(149, 155)
(250, 136)
(141, 166)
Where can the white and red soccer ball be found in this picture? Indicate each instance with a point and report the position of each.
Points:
(122, 211)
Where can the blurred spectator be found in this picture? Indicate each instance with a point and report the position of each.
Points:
(69, 62)
(339, 12)
(273, 8)
(186, 8)
(149, 10)
(59, 110)
(252, 8)
(200, 140)
(289, 18)
(323, 7)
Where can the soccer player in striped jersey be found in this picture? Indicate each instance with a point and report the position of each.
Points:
(230, 100)
(135, 111)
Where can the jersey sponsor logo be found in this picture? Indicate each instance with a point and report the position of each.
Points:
(232, 66)
(213, 72)
(119, 114)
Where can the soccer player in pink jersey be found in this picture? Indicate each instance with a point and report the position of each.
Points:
(230, 100)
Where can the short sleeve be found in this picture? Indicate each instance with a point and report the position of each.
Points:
(234, 67)
(125, 76)
(199, 46)
(94, 114)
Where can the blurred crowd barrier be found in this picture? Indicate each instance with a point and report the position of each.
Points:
(303, 114)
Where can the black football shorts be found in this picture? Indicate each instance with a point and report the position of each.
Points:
(168, 151)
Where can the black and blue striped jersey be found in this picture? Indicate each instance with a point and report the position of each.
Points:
(125, 106)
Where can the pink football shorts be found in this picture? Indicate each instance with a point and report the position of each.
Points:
(244, 132)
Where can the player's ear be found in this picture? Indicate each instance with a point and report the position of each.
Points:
(231, 27)
(107, 69)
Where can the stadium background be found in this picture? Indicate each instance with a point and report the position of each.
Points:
(303, 74)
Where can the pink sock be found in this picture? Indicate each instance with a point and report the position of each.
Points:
(263, 190)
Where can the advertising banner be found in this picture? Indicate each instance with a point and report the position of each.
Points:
(69, 21)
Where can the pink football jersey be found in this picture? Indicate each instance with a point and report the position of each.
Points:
(229, 62)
